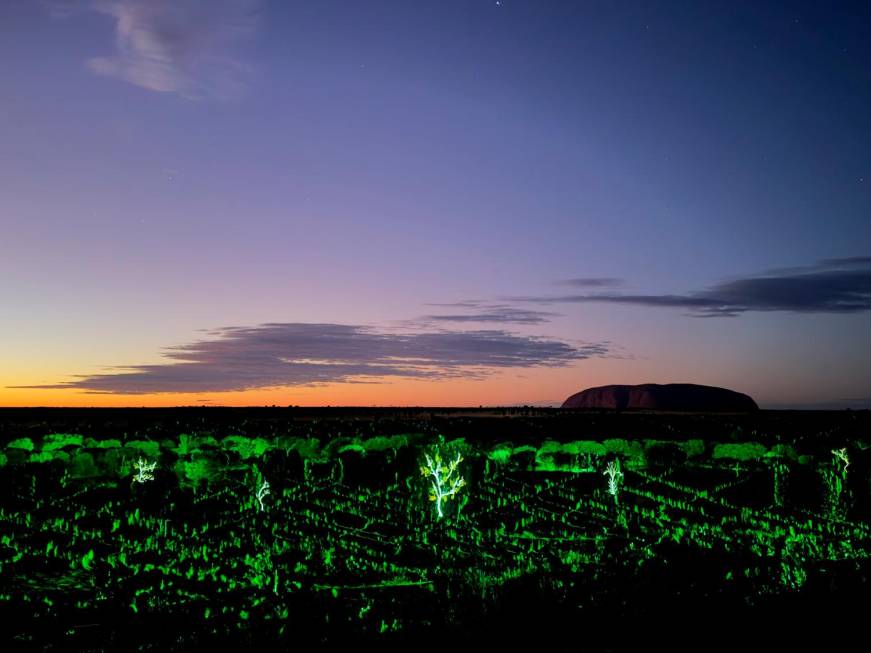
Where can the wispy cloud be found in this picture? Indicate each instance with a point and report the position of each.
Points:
(466, 303)
(840, 285)
(592, 282)
(178, 46)
(294, 354)
(492, 313)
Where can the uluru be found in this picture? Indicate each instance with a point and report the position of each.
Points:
(683, 397)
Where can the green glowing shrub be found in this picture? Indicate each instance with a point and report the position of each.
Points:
(842, 457)
(784, 451)
(523, 456)
(501, 453)
(115, 462)
(149, 448)
(201, 469)
(375, 444)
(694, 448)
(82, 466)
(246, 447)
(625, 448)
(91, 443)
(87, 560)
(744, 451)
(54, 441)
(189, 444)
(612, 471)
(262, 491)
(577, 456)
(445, 480)
(524, 449)
(585, 447)
(144, 470)
(834, 500)
(48, 456)
(21, 443)
(781, 474)
(383, 443)
(307, 448)
(459, 445)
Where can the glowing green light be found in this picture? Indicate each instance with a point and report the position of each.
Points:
(262, 492)
(145, 471)
(612, 471)
(842, 455)
(445, 481)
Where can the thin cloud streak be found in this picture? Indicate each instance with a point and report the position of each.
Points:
(831, 286)
(302, 354)
(497, 313)
(592, 282)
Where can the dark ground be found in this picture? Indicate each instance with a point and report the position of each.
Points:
(697, 551)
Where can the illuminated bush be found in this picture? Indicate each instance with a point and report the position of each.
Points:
(245, 447)
(146, 447)
(48, 456)
(91, 443)
(745, 451)
(612, 471)
(202, 468)
(261, 493)
(144, 470)
(625, 448)
(55, 441)
(694, 448)
(83, 466)
(501, 453)
(841, 456)
(783, 451)
(445, 481)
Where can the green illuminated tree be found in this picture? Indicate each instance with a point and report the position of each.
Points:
(835, 478)
(841, 454)
(261, 493)
(445, 481)
(145, 471)
(612, 471)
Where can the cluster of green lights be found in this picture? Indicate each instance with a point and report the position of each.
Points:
(253, 551)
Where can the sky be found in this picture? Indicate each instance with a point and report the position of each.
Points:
(248, 202)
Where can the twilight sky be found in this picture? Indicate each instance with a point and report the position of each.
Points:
(432, 203)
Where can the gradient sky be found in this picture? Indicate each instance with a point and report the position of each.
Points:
(275, 202)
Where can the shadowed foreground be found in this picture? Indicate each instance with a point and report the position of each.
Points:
(163, 540)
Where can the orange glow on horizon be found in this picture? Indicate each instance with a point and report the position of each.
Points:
(539, 386)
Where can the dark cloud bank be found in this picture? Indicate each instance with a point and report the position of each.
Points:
(831, 286)
(294, 354)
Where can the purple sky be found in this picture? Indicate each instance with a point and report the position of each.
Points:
(403, 202)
